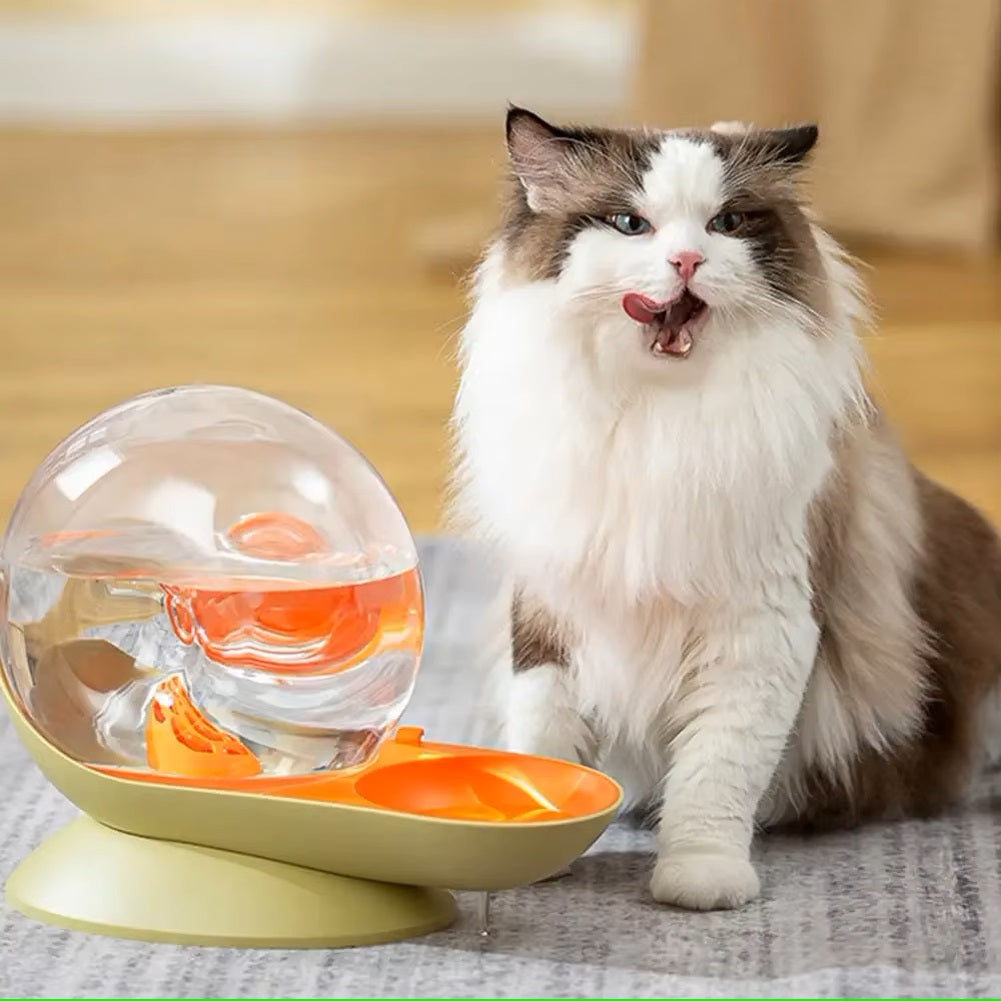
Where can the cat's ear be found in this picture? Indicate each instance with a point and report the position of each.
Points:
(791, 145)
(730, 128)
(538, 153)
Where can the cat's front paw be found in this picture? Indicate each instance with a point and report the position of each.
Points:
(704, 881)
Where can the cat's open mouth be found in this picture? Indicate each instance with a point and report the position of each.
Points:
(670, 324)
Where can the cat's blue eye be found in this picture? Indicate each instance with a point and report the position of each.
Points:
(727, 223)
(629, 224)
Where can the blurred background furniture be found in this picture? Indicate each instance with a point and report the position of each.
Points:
(288, 195)
(906, 94)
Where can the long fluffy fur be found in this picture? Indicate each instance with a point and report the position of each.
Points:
(720, 565)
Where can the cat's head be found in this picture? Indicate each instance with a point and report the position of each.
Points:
(664, 239)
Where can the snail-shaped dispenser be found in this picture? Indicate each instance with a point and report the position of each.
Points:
(211, 619)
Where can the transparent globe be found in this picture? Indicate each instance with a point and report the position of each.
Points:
(205, 582)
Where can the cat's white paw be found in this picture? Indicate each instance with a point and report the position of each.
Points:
(704, 881)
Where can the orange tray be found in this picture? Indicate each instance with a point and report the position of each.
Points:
(406, 775)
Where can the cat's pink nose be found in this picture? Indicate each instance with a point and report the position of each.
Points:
(685, 262)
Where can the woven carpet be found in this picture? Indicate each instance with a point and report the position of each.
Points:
(910, 909)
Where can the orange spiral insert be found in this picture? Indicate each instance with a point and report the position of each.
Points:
(181, 741)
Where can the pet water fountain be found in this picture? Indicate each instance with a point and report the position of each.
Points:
(211, 619)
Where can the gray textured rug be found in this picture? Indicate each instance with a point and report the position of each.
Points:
(911, 909)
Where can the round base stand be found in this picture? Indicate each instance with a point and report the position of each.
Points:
(92, 878)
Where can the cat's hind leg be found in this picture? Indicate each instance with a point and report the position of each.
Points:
(541, 718)
(541, 714)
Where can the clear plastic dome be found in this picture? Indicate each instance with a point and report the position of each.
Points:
(206, 582)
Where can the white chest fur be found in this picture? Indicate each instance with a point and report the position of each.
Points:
(687, 487)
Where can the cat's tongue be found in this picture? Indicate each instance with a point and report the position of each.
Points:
(642, 308)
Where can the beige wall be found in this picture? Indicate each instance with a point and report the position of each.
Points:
(138, 63)
(146, 8)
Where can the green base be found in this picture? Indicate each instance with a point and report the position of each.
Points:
(93, 878)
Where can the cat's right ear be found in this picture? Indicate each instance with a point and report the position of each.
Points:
(538, 153)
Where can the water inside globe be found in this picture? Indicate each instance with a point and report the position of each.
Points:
(144, 627)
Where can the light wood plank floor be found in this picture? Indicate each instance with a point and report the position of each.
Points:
(285, 261)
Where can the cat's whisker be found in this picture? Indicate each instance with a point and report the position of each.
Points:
(451, 333)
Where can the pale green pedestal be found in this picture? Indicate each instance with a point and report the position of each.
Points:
(93, 878)
(178, 863)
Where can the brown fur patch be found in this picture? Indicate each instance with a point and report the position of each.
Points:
(580, 174)
(872, 653)
(763, 181)
(535, 636)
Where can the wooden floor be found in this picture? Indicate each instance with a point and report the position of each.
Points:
(287, 262)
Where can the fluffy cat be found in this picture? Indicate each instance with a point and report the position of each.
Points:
(731, 590)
